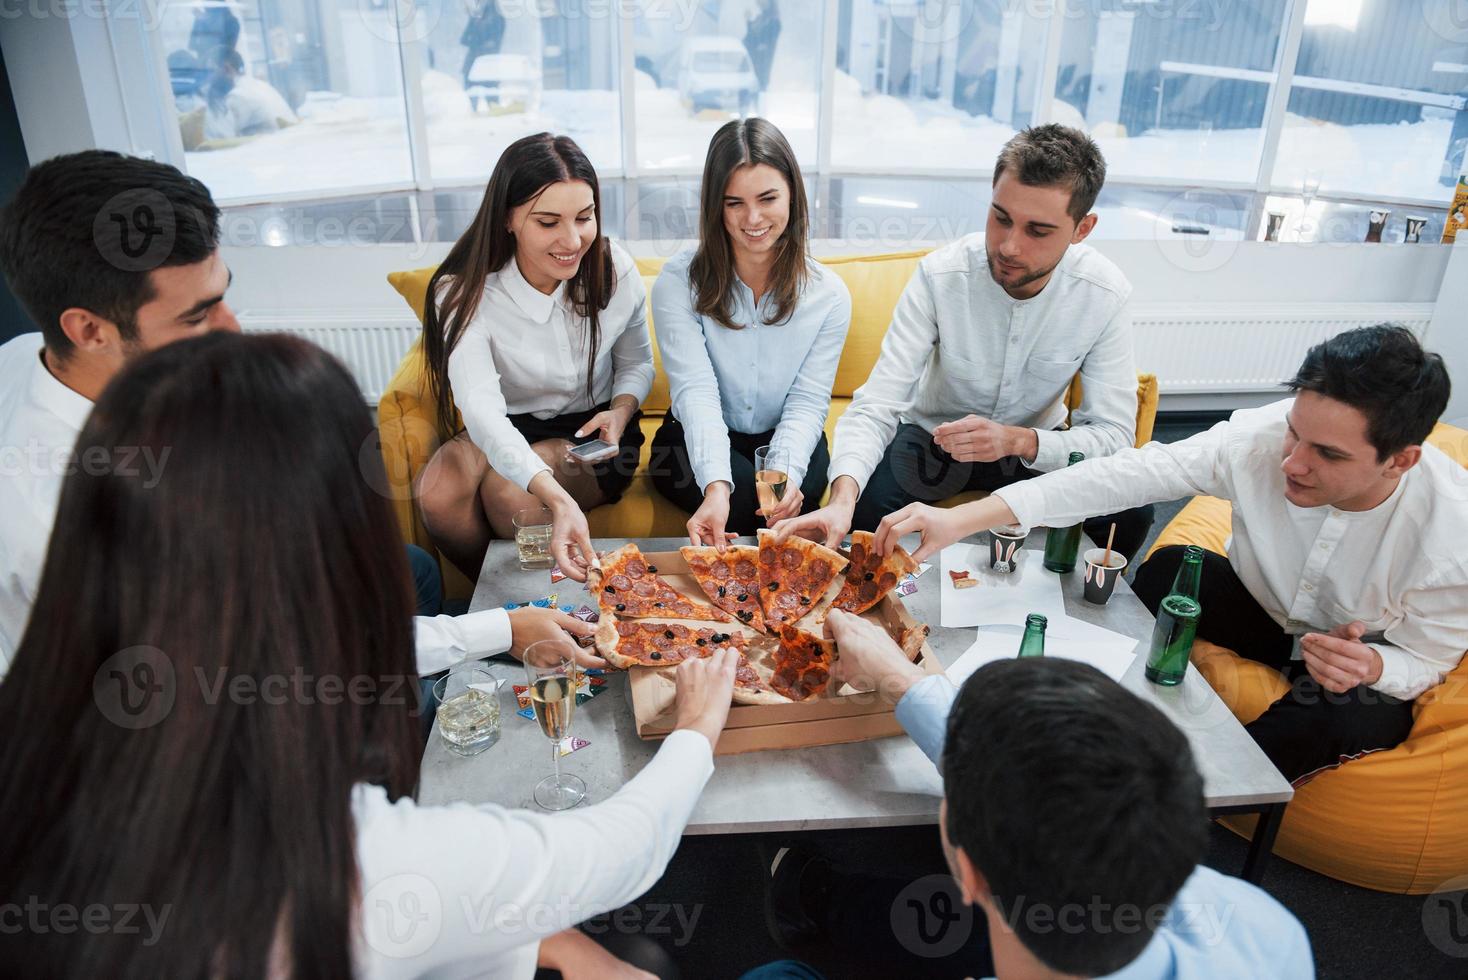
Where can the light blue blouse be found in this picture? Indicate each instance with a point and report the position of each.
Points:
(765, 376)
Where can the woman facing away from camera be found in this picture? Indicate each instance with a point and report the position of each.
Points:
(209, 721)
(751, 329)
(535, 328)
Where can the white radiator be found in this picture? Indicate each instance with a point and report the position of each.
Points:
(369, 342)
(1194, 349)
(1248, 348)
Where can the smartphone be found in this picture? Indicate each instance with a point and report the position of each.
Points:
(593, 450)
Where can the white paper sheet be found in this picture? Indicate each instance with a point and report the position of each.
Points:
(1111, 656)
(998, 599)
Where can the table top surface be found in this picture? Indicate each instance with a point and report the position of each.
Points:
(883, 782)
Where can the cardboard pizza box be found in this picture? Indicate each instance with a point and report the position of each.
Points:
(846, 715)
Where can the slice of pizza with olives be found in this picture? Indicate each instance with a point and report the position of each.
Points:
(648, 643)
(628, 587)
(730, 578)
(793, 576)
(871, 576)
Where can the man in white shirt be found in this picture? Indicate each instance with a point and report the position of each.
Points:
(984, 342)
(1346, 568)
(1072, 823)
(114, 256)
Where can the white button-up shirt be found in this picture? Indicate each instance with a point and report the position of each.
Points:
(462, 890)
(40, 419)
(763, 376)
(960, 345)
(525, 353)
(1399, 568)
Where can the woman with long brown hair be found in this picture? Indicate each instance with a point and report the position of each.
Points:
(207, 741)
(535, 329)
(751, 329)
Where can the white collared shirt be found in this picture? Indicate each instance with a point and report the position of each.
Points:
(462, 890)
(1399, 568)
(763, 376)
(40, 419)
(525, 353)
(960, 345)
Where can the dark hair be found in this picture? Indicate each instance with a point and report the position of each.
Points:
(745, 143)
(526, 168)
(1383, 372)
(259, 552)
(1049, 155)
(86, 229)
(1066, 791)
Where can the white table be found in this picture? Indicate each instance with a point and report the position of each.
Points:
(883, 782)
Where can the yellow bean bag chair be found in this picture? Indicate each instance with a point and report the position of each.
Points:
(410, 431)
(1394, 821)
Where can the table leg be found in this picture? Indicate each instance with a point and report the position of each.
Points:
(1262, 844)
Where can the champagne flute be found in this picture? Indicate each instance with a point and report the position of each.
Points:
(771, 474)
(553, 679)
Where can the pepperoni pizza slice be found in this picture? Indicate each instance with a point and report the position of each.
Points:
(802, 664)
(630, 588)
(870, 576)
(647, 643)
(793, 576)
(752, 685)
(730, 579)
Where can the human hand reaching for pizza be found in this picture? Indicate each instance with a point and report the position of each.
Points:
(868, 658)
(706, 526)
(705, 691)
(533, 624)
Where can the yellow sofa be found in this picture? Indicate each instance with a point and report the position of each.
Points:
(1394, 821)
(409, 430)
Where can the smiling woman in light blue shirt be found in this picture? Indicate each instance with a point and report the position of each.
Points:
(751, 329)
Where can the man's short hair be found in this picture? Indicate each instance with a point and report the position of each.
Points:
(1079, 804)
(86, 229)
(1384, 373)
(1055, 155)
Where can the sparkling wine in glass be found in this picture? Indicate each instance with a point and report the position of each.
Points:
(771, 475)
(552, 678)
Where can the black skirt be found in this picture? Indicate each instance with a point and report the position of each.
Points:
(614, 473)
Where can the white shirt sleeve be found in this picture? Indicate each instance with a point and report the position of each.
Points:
(864, 432)
(693, 385)
(632, 370)
(481, 882)
(1129, 478)
(443, 641)
(1106, 419)
(1429, 641)
(803, 417)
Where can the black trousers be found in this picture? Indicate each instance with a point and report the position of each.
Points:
(672, 474)
(1310, 728)
(915, 468)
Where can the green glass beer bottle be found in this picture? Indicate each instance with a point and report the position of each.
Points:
(1190, 574)
(1062, 543)
(1032, 644)
(1172, 640)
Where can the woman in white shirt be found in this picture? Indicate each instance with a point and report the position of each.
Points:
(208, 728)
(536, 330)
(751, 329)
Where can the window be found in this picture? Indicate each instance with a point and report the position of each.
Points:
(700, 65)
(1172, 90)
(493, 72)
(931, 85)
(284, 98)
(1377, 106)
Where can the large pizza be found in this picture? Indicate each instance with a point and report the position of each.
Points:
(766, 602)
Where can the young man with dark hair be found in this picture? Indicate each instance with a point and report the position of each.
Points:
(1346, 570)
(967, 393)
(1072, 818)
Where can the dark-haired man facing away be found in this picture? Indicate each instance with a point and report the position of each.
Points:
(967, 393)
(1346, 569)
(1073, 821)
